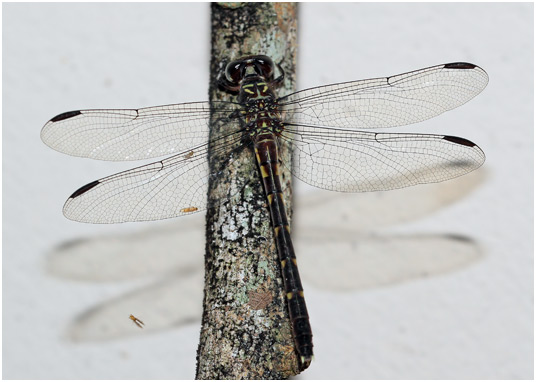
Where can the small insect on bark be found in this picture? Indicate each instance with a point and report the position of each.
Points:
(137, 321)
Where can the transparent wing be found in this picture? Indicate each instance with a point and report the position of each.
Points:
(355, 161)
(172, 187)
(386, 102)
(132, 134)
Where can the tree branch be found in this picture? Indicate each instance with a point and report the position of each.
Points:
(245, 332)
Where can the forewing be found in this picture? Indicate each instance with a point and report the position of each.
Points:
(355, 161)
(132, 134)
(386, 102)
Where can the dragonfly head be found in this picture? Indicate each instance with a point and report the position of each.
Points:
(250, 67)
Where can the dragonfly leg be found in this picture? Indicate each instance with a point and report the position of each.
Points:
(279, 80)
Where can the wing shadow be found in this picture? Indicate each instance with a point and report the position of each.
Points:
(345, 226)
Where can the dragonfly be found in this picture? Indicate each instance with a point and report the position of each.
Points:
(325, 129)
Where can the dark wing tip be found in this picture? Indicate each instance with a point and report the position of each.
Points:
(459, 141)
(66, 115)
(460, 65)
(84, 189)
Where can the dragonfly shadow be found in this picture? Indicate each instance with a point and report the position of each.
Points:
(345, 226)
(364, 261)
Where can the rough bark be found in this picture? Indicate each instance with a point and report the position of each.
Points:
(245, 331)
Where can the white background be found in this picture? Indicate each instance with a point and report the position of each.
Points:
(475, 321)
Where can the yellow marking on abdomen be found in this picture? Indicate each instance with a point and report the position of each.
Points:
(270, 198)
(264, 173)
(289, 295)
(277, 229)
(283, 263)
(276, 170)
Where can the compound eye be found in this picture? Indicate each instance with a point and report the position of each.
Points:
(265, 66)
(233, 72)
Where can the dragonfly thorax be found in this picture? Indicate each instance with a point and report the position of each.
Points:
(256, 88)
(260, 112)
(252, 77)
(261, 128)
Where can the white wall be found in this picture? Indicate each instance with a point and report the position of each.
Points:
(470, 320)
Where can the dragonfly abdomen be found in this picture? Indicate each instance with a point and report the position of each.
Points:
(268, 161)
